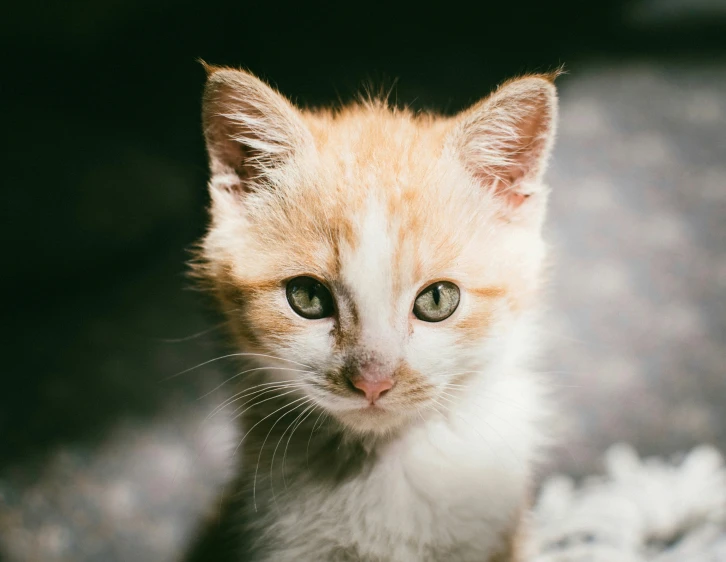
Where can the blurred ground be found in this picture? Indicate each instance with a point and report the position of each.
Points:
(104, 457)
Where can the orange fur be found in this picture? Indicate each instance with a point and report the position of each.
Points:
(377, 204)
(442, 222)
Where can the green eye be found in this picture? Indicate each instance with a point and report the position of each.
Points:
(309, 298)
(436, 302)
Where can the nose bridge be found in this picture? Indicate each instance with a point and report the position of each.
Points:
(368, 272)
(379, 347)
(380, 329)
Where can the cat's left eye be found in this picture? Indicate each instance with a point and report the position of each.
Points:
(436, 302)
(309, 298)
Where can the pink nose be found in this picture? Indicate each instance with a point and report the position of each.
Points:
(373, 388)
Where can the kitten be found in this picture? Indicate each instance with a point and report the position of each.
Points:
(382, 271)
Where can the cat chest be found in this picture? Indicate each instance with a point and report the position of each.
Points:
(416, 503)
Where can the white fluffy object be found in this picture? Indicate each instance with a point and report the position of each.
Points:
(641, 511)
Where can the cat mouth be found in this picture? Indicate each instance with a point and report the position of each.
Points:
(358, 405)
(370, 419)
(373, 409)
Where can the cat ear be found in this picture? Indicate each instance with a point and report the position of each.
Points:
(504, 141)
(250, 129)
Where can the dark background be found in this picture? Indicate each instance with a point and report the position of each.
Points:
(104, 175)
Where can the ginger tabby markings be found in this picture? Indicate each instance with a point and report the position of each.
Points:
(382, 269)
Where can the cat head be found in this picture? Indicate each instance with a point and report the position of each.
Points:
(375, 256)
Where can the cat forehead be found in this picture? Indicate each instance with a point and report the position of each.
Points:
(385, 239)
(379, 140)
(379, 197)
(376, 164)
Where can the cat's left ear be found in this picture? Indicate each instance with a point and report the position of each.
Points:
(252, 132)
(505, 140)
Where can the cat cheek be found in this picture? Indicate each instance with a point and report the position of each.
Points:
(272, 328)
(432, 352)
(474, 326)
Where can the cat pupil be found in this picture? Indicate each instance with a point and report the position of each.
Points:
(309, 298)
(436, 302)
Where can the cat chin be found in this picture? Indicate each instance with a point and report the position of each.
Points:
(373, 420)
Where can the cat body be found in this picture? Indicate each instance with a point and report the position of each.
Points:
(451, 488)
(382, 271)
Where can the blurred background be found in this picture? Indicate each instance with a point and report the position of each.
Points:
(105, 455)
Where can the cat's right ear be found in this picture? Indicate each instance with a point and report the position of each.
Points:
(251, 131)
(505, 140)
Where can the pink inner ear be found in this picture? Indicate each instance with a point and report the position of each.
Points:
(508, 187)
(516, 199)
(528, 153)
(510, 195)
(506, 141)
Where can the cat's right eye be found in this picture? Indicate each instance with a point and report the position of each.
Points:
(309, 298)
(436, 302)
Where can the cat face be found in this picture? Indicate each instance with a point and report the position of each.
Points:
(384, 259)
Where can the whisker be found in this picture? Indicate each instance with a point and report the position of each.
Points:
(437, 410)
(312, 409)
(260, 402)
(481, 371)
(262, 448)
(234, 355)
(279, 441)
(420, 415)
(307, 449)
(250, 371)
(486, 395)
(193, 336)
(264, 384)
(274, 453)
(246, 393)
(260, 421)
(456, 374)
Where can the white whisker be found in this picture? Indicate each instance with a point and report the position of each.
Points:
(279, 441)
(193, 336)
(260, 421)
(262, 448)
(486, 395)
(235, 355)
(307, 449)
(284, 455)
(260, 402)
(245, 394)
(250, 371)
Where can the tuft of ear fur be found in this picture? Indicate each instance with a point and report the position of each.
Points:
(504, 140)
(250, 129)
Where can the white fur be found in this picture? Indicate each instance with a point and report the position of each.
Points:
(368, 271)
(444, 477)
(446, 489)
